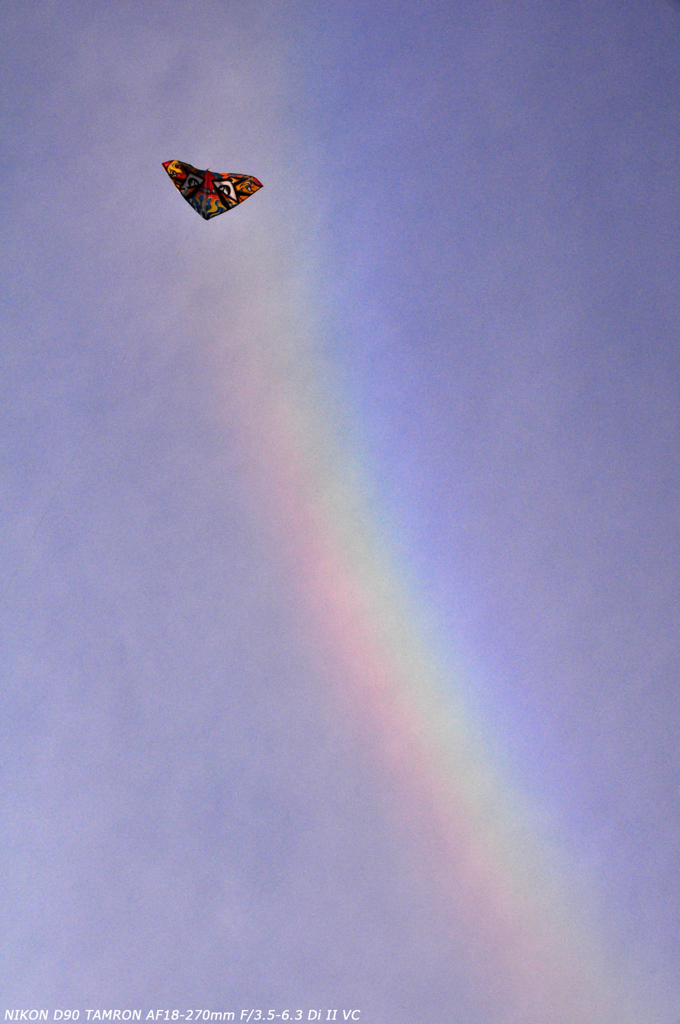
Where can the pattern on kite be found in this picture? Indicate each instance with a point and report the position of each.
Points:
(209, 193)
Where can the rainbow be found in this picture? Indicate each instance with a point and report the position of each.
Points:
(495, 867)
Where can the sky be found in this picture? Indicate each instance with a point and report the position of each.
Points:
(339, 556)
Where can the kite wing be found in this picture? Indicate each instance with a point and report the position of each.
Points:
(209, 193)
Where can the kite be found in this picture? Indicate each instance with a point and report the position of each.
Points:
(209, 193)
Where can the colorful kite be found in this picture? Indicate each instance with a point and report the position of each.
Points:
(211, 194)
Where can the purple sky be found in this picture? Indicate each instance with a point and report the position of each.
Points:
(469, 227)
